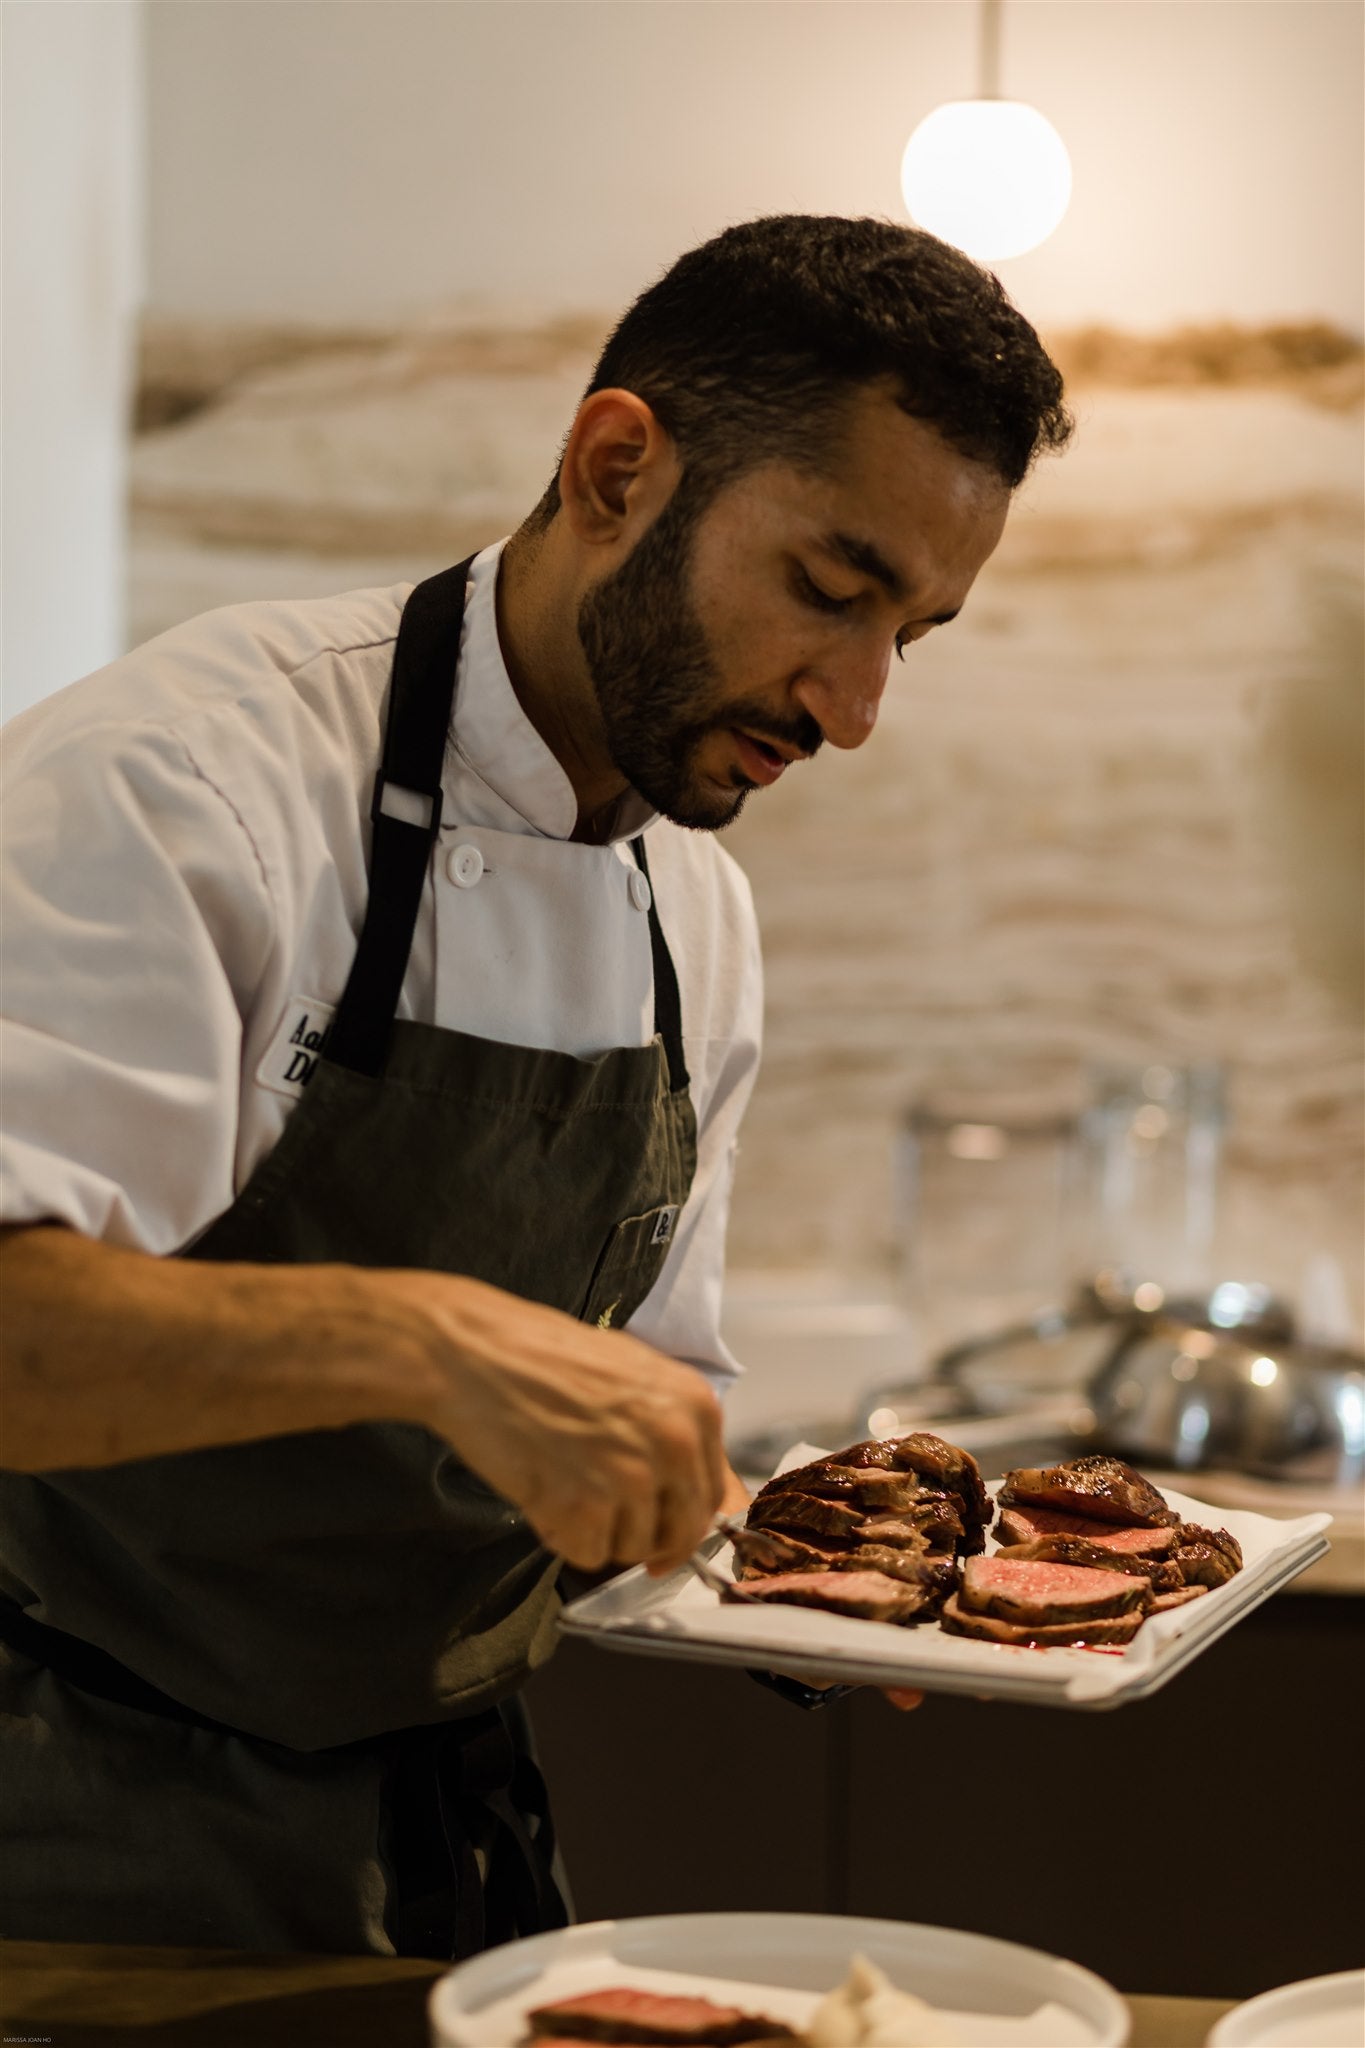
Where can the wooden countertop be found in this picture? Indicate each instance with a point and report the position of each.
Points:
(63, 1995)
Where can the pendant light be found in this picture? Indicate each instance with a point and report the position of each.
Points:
(990, 175)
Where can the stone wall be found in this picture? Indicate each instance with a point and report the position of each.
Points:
(1112, 815)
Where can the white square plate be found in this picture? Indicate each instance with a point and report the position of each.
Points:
(679, 1617)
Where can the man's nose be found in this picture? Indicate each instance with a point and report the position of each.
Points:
(844, 698)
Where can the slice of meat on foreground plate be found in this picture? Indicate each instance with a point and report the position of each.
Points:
(647, 2019)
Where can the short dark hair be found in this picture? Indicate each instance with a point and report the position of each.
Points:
(748, 349)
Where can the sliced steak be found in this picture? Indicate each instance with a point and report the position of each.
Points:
(1175, 1596)
(936, 1574)
(1044, 1594)
(1218, 1539)
(1101, 1487)
(1206, 1557)
(893, 1532)
(1100, 1557)
(939, 1465)
(644, 2019)
(958, 1620)
(865, 1487)
(760, 1551)
(868, 1596)
(1024, 1524)
(829, 1522)
(937, 1515)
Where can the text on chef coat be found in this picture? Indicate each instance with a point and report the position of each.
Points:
(298, 1044)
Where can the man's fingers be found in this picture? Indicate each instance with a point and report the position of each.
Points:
(901, 1698)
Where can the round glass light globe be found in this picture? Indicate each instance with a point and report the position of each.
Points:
(990, 176)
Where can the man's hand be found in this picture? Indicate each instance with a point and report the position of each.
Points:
(611, 1450)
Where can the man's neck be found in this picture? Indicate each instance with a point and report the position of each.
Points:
(549, 675)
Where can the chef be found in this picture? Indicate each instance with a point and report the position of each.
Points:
(380, 1014)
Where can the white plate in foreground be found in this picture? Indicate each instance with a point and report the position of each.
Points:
(997, 1994)
(679, 1617)
(1321, 2012)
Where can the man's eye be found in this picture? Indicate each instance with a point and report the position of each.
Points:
(811, 592)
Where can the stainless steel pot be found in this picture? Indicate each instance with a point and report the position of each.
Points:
(1183, 1395)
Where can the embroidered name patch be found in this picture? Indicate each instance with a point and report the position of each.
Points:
(294, 1051)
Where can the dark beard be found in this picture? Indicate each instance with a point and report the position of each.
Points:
(655, 677)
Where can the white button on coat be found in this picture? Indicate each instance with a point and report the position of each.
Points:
(464, 865)
(640, 894)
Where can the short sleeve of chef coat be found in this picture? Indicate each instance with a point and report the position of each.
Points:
(136, 925)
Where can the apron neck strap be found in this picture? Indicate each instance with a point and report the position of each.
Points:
(421, 698)
(667, 1002)
(405, 813)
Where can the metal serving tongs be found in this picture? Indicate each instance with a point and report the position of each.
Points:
(700, 1566)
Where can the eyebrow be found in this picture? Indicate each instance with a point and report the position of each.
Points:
(870, 561)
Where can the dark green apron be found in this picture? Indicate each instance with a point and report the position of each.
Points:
(258, 1696)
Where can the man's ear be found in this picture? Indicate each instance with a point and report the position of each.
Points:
(618, 470)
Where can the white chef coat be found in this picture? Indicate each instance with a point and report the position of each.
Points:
(185, 880)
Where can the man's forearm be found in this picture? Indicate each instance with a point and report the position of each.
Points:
(107, 1354)
(612, 1451)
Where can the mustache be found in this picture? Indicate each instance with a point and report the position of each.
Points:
(801, 732)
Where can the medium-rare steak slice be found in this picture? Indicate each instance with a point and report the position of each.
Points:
(958, 1620)
(1099, 1486)
(1020, 1523)
(867, 1596)
(644, 2019)
(1045, 1594)
(1102, 1557)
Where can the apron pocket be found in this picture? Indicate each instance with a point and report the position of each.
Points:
(629, 1266)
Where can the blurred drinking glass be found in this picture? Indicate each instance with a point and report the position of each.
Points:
(987, 1185)
(1152, 1145)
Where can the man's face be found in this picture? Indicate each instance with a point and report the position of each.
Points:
(729, 644)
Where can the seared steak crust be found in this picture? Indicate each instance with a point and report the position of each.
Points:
(933, 1520)
(964, 1621)
(865, 1487)
(802, 1514)
(1206, 1557)
(1101, 1487)
(940, 1466)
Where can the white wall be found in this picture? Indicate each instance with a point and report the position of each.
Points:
(72, 281)
(363, 160)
